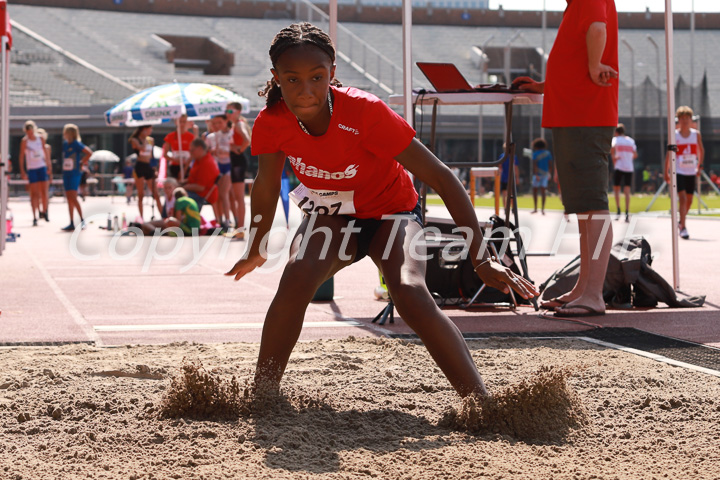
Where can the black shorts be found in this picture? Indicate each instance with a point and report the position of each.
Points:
(238, 167)
(144, 170)
(369, 227)
(686, 183)
(622, 179)
(174, 171)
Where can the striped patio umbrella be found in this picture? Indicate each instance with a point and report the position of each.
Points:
(167, 102)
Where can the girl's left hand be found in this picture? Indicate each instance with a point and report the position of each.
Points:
(495, 275)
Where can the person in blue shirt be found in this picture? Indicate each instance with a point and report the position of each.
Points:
(542, 163)
(75, 155)
(505, 174)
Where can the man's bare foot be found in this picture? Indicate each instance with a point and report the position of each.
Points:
(588, 304)
(534, 211)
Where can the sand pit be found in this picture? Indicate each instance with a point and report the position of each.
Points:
(359, 409)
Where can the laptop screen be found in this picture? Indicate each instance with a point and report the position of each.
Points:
(444, 77)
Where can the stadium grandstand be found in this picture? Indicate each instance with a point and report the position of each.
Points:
(73, 59)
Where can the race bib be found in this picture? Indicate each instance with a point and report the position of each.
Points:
(181, 155)
(36, 155)
(68, 164)
(323, 202)
(687, 161)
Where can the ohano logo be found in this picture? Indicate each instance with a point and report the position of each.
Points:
(314, 172)
(349, 129)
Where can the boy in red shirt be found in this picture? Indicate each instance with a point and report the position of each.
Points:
(581, 108)
(350, 151)
(201, 184)
(180, 156)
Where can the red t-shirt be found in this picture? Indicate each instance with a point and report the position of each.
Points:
(571, 97)
(172, 139)
(204, 172)
(355, 157)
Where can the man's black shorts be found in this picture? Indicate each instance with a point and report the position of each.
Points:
(622, 179)
(686, 183)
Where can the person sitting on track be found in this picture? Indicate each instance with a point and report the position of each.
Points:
(350, 151)
(201, 183)
(185, 216)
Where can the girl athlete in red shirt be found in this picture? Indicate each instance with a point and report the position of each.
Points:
(350, 152)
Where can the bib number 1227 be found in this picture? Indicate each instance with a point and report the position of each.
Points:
(324, 202)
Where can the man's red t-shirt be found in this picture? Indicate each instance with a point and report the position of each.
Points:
(353, 161)
(571, 97)
(204, 172)
(172, 139)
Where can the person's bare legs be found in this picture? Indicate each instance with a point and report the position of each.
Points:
(149, 228)
(543, 193)
(34, 200)
(45, 201)
(535, 197)
(595, 245)
(405, 278)
(684, 206)
(73, 204)
(302, 277)
(224, 192)
(616, 192)
(627, 201)
(238, 190)
(156, 194)
(140, 187)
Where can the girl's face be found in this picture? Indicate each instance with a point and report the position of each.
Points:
(30, 132)
(218, 124)
(304, 74)
(68, 137)
(146, 132)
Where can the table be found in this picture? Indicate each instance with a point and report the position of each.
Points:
(481, 98)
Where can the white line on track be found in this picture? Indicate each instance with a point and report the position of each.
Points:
(74, 312)
(213, 326)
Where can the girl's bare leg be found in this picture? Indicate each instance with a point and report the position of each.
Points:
(302, 277)
(140, 187)
(405, 278)
(224, 191)
(238, 190)
(44, 196)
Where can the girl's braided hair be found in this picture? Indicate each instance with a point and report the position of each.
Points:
(295, 35)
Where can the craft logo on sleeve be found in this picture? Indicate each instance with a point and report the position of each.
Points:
(313, 172)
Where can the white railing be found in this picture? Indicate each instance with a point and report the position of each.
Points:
(355, 51)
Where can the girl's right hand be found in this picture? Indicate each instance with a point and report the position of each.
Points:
(245, 266)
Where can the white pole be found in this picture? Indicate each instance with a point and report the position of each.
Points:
(333, 22)
(407, 59)
(692, 55)
(4, 134)
(483, 79)
(659, 100)
(632, 87)
(543, 61)
(180, 153)
(672, 147)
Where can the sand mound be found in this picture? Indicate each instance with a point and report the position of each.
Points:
(198, 394)
(542, 408)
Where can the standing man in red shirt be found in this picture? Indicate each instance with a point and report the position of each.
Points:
(581, 108)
